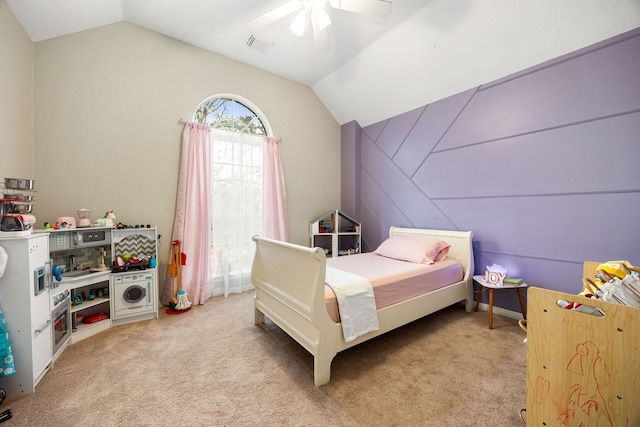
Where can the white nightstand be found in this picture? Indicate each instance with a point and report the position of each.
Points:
(491, 287)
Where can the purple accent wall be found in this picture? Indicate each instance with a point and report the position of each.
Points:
(543, 166)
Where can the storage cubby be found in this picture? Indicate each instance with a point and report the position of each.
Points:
(140, 243)
(336, 233)
(99, 286)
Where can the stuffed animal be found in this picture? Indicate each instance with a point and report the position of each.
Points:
(106, 221)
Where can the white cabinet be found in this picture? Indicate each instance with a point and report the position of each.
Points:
(41, 348)
(336, 233)
(24, 300)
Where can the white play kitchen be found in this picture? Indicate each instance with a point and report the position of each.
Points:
(101, 296)
(60, 286)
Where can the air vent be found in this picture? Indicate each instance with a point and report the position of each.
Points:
(259, 43)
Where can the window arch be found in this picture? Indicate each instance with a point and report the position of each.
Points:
(233, 113)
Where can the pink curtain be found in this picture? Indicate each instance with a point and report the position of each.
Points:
(191, 225)
(275, 199)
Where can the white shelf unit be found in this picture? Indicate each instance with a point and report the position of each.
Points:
(85, 287)
(337, 233)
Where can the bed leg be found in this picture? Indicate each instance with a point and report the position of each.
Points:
(322, 368)
(468, 305)
(258, 317)
(469, 302)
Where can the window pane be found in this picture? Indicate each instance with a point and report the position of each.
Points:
(237, 207)
(229, 114)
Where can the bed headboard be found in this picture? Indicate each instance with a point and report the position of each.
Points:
(461, 248)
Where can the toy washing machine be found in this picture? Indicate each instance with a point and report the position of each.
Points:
(134, 292)
(135, 296)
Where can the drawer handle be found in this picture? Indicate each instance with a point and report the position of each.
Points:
(39, 331)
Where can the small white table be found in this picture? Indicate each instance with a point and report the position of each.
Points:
(491, 287)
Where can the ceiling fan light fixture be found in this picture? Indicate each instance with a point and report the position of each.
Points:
(315, 12)
(299, 23)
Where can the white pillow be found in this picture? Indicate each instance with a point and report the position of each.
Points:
(416, 249)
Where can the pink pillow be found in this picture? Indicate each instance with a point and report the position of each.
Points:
(417, 249)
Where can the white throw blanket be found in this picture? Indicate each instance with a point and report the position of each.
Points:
(356, 302)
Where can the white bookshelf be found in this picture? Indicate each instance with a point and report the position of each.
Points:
(337, 233)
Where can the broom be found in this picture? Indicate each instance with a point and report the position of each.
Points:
(173, 273)
(180, 304)
(183, 301)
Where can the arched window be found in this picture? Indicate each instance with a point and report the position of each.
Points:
(227, 113)
(238, 139)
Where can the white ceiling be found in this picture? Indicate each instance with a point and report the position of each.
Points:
(426, 50)
(220, 26)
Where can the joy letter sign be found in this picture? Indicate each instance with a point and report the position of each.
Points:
(495, 275)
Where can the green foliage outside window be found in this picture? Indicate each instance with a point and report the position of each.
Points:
(229, 114)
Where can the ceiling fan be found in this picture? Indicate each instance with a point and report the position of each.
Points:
(315, 11)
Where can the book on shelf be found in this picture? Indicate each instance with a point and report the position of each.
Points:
(513, 281)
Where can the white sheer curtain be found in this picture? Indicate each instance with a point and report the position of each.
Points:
(237, 206)
(191, 225)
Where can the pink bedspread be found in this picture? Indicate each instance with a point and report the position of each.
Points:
(393, 281)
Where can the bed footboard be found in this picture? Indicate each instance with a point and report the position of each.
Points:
(289, 282)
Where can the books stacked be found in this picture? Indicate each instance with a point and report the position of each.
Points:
(512, 281)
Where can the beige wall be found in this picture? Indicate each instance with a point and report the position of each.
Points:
(107, 103)
(16, 98)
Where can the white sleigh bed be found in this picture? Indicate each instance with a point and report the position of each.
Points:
(290, 290)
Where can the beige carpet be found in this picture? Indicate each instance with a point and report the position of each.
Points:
(212, 366)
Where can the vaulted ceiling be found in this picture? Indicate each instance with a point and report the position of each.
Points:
(376, 68)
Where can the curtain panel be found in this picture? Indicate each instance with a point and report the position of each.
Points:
(274, 194)
(191, 225)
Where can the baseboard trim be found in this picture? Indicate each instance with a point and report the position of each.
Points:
(501, 311)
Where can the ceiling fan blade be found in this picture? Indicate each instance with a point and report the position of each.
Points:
(379, 8)
(321, 37)
(275, 14)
